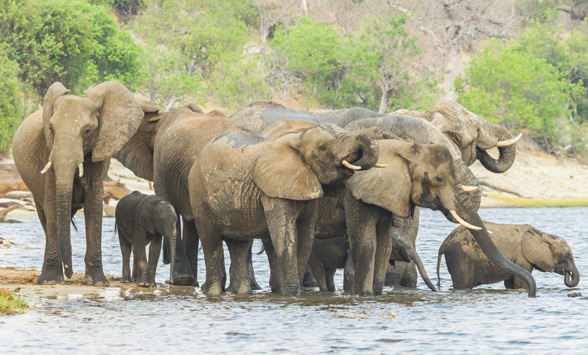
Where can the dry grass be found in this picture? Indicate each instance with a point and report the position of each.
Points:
(537, 202)
(11, 303)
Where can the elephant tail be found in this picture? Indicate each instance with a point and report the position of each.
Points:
(439, 256)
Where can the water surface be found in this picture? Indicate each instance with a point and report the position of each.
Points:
(183, 320)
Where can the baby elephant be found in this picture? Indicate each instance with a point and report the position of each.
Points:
(140, 220)
(522, 244)
(331, 254)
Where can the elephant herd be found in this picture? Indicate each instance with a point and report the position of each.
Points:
(349, 181)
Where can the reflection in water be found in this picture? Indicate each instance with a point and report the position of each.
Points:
(134, 319)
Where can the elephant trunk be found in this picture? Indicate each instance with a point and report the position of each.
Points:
(571, 275)
(171, 241)
(419, 264)
(488, 247)
(490, 136)
(368, 149)
(467, 178)
(65, 162)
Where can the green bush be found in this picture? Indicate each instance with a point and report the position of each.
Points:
(10, 101)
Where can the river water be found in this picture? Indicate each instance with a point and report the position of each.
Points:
(183, 320)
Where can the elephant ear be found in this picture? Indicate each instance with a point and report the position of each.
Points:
(119, 115)
(537, 250)
(137, 154)
(55, 90)
(389, 187)
(144, 211)
(281, 172)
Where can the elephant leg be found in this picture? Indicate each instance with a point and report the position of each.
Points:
(281, 216)
(154, 251)
(183, 274)
(139, 257)
(214, 259)
(52, 272)
(239, 250)
(274, 281)
(349, 275)
(319, 272)
(93, 215)
(361, 227)
(330, 278)
(125, 248)
(250, 272)
(305, 229)
(191, 243)
(309, 279)
(509, 283)
(384, 231)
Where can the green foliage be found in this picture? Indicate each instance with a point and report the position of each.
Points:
(10, 101)
(69, 41)
(10, 303)
(537, 82)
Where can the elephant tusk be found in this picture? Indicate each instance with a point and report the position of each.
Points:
(349, 165)
(462, 222)
(81, 169)
(46, 167)
(467, 188)
(508, 142)
(381, 166)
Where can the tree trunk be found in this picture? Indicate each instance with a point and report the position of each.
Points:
(383, 101)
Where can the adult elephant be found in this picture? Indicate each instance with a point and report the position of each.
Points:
(471, 134)
(62, 153)
(163, 150)
(416, 175)
(244, 186)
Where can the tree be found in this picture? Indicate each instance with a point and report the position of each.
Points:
(10, 101)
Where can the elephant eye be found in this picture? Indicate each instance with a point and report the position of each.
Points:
(51, 130)
(439, 179)
(323, 147)
(87, 130)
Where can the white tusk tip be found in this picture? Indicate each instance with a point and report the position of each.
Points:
(508, 142)
(467, 188)
(381, 166)
(349, 165)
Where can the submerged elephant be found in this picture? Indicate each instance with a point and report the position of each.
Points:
(524, 245)
(62, 152)
(142, 220)
(244, 186)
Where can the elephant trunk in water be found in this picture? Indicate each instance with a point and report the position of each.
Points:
(571, 274)
(487, 245)
(506, 147)
(419, 264)
(65, 157)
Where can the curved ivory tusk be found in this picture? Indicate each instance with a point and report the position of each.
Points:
(46, 167)
(462, 222)
(508, 142)
(81, 169)
(467, 188)
(349, 165)
(380, 166)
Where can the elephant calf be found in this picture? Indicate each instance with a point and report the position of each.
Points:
(524, 245)
(142, 220)
(331, 254)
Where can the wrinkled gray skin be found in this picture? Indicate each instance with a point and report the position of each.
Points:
(142, 220)
(331, 254)
(243, 186)
(163, 151)
(524, 245)
(68, 131)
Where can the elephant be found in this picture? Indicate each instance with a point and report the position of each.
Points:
(522, 244)
(62, 152)
(416, 175)
(471, 134)
(244, 186)
(331, 254)
(142, 220)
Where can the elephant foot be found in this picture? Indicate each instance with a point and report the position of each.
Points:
(309, 280)
(215, 289)
(242, 289)
(183, 275)
(95, 279)
(125, 280)
(51, 276)
(185, 280)
(255, 286)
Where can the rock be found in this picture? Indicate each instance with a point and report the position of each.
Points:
(10, 180)
(575, 294)
(5, 242)
(20, 195)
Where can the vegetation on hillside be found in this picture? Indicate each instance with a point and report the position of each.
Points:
(235, 52)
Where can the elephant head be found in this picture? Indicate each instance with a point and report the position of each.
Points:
(425, 175)
(403, 250)
(549, 253)
(297, 164)
(78, 131)
(156, 215)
